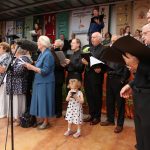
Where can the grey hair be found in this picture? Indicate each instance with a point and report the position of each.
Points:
(45, 41)
(22, 51)
(60, 42)
(146, 26)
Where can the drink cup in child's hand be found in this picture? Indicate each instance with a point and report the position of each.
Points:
(73, 94)
(70, 94)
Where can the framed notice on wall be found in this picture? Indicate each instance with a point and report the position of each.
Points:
(20, 28)
(10, 27)
(62, 24)
(81, 20)
(28, 27)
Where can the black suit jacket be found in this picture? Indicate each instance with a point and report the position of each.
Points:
(59, 70)
(90, 74)
(142, 76)
(119, 70)
(66, 46)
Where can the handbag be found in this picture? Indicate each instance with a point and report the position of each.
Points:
(27, 120)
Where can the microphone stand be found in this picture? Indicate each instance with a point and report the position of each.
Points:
(10, 68)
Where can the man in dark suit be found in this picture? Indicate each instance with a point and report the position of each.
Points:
(117, 77)
(140, 88)
(93, 81)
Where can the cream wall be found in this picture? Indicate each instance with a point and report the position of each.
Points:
(140, 9)
(113, 19)
(131, 13)
(123, 16)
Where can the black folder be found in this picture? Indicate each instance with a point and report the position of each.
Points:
(112, 54)
(126, 44)
(86, 56)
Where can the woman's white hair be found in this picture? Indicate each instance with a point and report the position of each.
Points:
(45, 41)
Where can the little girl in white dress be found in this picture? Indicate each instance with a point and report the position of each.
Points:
(74, 114)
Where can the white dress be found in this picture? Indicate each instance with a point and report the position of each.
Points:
(3, 101)
(4, 61)
(19, 106)
(74, 112)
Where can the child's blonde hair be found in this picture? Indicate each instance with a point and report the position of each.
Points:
(74, 83)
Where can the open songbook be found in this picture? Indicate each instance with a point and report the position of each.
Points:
(126, 44)
(94, 62)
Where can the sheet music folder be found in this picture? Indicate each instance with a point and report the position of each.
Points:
(86, 56)
(95, 63)
(126, 44)
(61, 56)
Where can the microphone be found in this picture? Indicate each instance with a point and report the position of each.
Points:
(28, 45)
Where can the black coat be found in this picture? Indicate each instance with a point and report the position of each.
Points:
(75, 68)
(120, 71)
(142, 76)
(90, 74)
(59, 70)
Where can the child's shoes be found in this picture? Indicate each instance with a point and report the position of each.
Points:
(67, 133)
(77, 134)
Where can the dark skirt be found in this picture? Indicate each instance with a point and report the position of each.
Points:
(42, 103)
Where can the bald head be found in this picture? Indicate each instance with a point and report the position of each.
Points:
(96, 38)
(146, 34)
